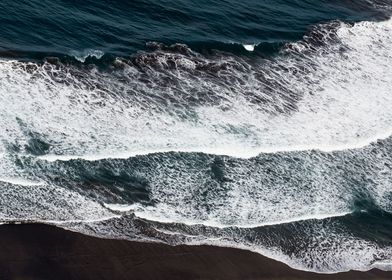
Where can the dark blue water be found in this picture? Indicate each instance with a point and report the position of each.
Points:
(38, 28)
(157, 120)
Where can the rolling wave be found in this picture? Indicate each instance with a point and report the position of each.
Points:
(331, 97)
(34, 28)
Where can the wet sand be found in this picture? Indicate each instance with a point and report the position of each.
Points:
(36, 251)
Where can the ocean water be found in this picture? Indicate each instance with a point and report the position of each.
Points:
(263, 125)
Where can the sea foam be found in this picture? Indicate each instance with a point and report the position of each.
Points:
(342, 102)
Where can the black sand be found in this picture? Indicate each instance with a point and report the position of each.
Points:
(35, 251)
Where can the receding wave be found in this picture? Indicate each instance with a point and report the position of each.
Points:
(315, 245)
(145, 216)
(20, 181)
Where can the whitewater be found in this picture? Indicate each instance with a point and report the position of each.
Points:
(339, 98)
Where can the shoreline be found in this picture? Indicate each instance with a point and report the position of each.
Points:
(39, 251)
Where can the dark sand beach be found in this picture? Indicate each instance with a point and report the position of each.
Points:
(36, 251)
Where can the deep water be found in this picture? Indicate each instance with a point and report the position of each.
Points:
(39, 28)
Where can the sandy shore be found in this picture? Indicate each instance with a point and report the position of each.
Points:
(38, 251)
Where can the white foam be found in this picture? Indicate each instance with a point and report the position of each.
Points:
(20, 181)
(233, 150)
(249, 48)
(83, 55)
(48, 203)
(385, 265)
(156, 216)
(58, 222)
(84, 221)
(119, 207)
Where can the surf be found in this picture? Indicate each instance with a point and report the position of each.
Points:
(337, 100)
(279, 145)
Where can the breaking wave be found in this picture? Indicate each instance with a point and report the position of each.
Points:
(279, 147)
(331, 97)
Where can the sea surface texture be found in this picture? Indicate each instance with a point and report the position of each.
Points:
(263, 125)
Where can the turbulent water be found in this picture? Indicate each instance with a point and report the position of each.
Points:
(263, 125)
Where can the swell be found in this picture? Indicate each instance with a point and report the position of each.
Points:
(36, 29)
(105, 60)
